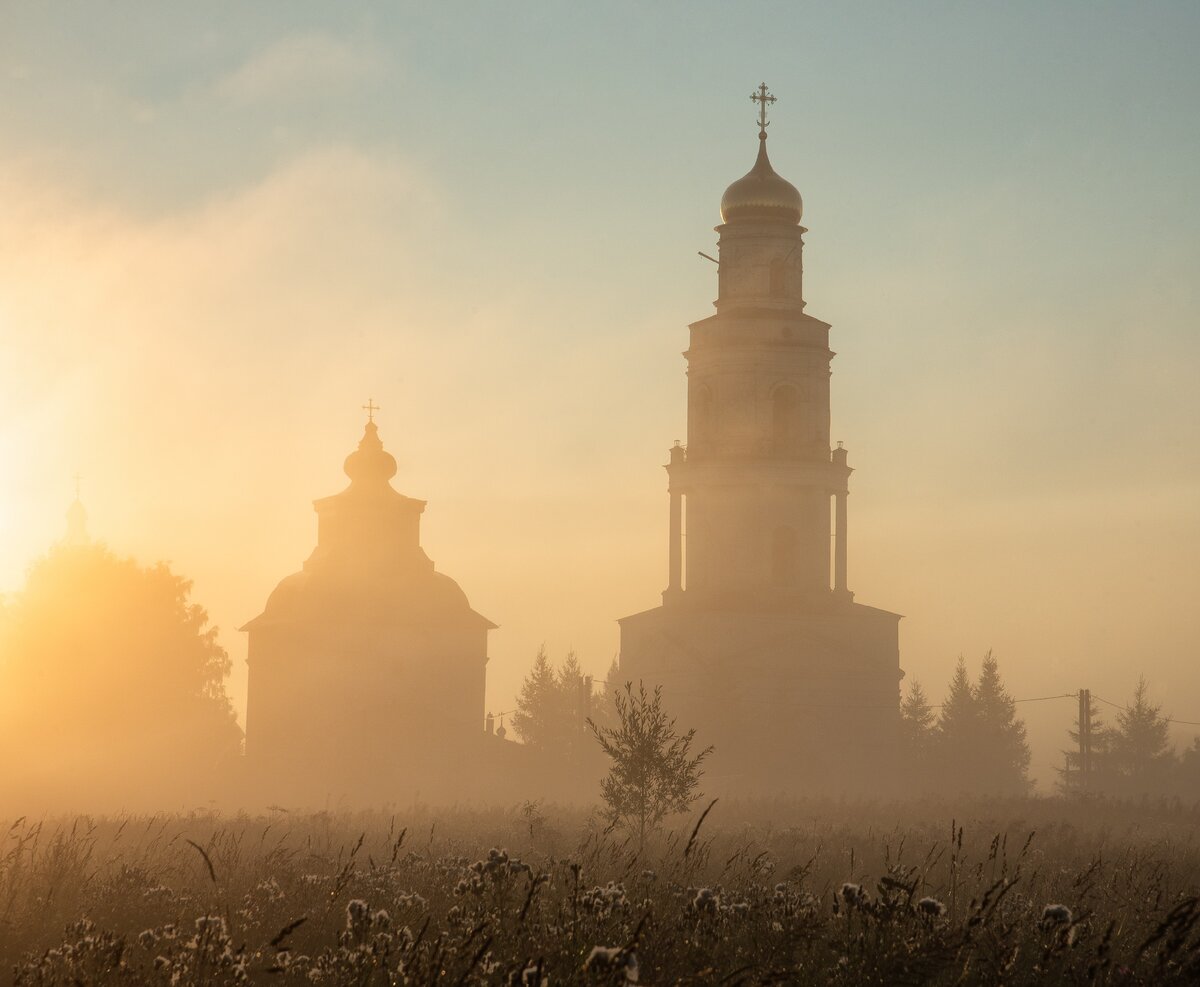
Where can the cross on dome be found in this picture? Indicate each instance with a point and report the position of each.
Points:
(761, 195)
(370, 408)
(763, 98)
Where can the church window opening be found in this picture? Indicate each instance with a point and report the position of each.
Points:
(783, 557)
(784, 406)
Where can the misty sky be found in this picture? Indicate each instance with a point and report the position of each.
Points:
(224, 226)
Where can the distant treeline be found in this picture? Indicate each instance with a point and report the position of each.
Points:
(976, 743)
(113, 685)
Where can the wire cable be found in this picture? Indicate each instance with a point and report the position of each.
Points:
(1169, 719)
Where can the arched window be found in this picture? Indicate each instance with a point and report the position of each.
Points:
(702, 416)
(783, 418)
(783, 557)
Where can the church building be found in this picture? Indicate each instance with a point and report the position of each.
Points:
(759, 643)
(366, 668)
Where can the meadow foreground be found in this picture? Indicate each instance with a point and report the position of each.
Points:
(791, 893)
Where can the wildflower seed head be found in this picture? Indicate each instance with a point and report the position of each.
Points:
(931, 907)
(1053, 915)
(852, 894)
(358, 914)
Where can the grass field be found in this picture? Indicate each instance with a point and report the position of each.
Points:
(789, 892)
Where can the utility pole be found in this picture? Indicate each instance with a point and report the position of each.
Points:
(1085, 738)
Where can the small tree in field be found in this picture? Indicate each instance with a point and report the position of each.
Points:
(653, 774)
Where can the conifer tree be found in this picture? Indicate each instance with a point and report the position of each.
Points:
(612, 681)
(603, 704)
(1141, 742)
(1187, 770)
(1003, 752)
(1100, 765)
(535, 717)
(569, 676)
(917, 725)
(571, 705)
(957, 736)
(552, 712)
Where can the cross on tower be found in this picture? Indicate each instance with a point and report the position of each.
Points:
(78, 481)
(763, 99)
(370, 408)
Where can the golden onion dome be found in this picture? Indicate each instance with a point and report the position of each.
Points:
(761, 195)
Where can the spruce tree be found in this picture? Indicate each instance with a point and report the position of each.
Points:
(569, 676)
(603, 705)
(612, 681)
(917, 725)
(1141, 743)
(571, 704)
(535, 717)
(1187, 771)
(552, 708)
(1100, 767)
(957, 737)
(1003, 751)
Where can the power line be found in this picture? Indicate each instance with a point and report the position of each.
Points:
(852, 709)
(1169, 719)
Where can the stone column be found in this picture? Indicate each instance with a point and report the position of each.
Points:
(839, 548)
(841, 492)
(675, 555)
(674, 588)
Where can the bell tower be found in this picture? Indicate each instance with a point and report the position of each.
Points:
(759, 644)
(756, 479)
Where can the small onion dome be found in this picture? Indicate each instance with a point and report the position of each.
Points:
(761, 195)
(370, 464)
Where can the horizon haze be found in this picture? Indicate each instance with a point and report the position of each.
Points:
(222, 235)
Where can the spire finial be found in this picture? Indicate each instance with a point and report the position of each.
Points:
(370, 408)
(763, 98)
(78, 481)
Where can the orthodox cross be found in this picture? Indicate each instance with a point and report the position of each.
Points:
(370, 408)
(78, 480)
(763, 99)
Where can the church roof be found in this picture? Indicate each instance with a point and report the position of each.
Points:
(311, 597)
(761, 195)
(368, 564)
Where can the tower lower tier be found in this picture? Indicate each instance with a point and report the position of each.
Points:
(792, 703)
